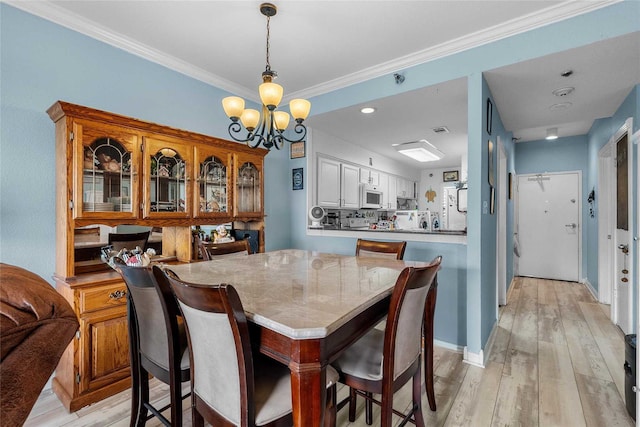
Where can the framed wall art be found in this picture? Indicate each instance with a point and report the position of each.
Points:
(449, 176)
(489, 115)
(491, 171)
(297, 150)
(297, 178)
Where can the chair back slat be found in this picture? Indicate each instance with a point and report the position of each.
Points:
(212, 250)
(406, 313)
(380, 249)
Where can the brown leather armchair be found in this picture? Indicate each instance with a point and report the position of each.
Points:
(36, 325)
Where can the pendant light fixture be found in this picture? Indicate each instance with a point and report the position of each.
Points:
(266, 129)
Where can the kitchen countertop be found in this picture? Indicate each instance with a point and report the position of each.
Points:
(442, 236)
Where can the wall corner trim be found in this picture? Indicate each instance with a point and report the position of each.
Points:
(475, 359)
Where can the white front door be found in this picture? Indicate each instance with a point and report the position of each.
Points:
(549, 226)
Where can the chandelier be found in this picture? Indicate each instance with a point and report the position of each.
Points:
(266, 128)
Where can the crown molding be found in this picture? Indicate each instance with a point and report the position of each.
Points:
(504, 30)
(550, 15)
(58, 15)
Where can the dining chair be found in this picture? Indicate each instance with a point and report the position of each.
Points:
(212, 250)
(129, 240)
(231, 387)
(382, 249)
(381, 362)
(430, 310)
(157, 344)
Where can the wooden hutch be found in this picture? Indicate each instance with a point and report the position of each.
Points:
(111, 171)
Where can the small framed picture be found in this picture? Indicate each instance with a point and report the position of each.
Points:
(297, 177)
(492, 201)
(297, 150)
(510, 186)
(489, 115)
(449, 176)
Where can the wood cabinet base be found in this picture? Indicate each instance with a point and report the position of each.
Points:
(73, 404)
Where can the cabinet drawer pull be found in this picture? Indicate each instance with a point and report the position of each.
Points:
(118, 294)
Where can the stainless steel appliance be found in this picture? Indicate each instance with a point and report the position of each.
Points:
(370, 197)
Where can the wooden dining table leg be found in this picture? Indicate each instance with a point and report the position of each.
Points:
(308, 394)
(429, 314)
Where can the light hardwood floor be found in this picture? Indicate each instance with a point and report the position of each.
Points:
(556, 361)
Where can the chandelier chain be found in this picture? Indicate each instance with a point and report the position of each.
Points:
(268, 34)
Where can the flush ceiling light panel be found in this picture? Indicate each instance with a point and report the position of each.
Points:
(422, 151)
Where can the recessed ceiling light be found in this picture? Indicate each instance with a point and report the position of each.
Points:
(422, 151)
(552, 133)
(560, 106)
(367, 110)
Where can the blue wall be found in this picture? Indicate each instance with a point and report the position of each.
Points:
(42, 62)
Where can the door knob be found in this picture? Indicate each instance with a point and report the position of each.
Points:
(624, 248)
(572, 226)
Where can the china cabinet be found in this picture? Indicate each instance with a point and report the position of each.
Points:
(248, 194)
(115, 171)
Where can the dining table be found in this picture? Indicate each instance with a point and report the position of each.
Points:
(304, 309)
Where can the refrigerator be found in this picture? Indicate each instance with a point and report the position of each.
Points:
(454, 208)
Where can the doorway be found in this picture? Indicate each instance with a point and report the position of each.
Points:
(501, 238)
(615, 211)
(549, 225)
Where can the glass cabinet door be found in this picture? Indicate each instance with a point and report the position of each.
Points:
(166, 165)
(248, 186)
(212, 195)
(106, 164)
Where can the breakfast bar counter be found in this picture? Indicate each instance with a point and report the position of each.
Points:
(442, 236)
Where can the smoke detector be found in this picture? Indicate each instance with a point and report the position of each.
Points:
(563, 91)
(440, 129)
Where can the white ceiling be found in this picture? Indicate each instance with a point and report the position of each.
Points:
(319, 46)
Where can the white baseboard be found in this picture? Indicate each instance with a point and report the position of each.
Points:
(588, 285)
(475, 359)
(480, 359)
(448, 346)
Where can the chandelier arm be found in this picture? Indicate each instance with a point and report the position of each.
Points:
(235, 127)
(277, 139)
(299, 129)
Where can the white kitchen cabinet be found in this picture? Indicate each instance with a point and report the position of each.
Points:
(404, 188)
(392, 193)
(389, 193)
(328, 183)
(350, 186)
(368, 176)
(384, 187)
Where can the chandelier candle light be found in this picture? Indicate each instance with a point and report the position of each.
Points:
(266, 129)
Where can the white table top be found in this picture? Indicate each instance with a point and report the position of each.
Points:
(300, 294)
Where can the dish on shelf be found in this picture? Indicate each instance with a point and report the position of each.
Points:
(97, 207)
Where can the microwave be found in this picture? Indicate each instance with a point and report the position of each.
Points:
(370, 197)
